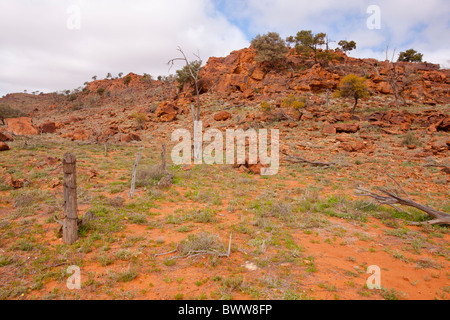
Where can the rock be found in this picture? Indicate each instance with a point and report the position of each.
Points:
(15, 183)
(5, 137)
(80, 134)
(443, 125)
(166, 112)
(54, 183)
(3, 146)
(411, 146)
(222, 116)
(130, 137)
(353, 146)
(384, 88)
(329, 130)
(346, 127)
(248, 94)
(439, 146)
(48, 127)
(22, 126)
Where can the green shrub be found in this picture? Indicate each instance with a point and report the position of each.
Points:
(101, 91)
(266, 107)
(8, 112)
(127, 80)
(270, 48)
(294, 102)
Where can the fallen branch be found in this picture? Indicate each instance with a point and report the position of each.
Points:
(195, 253)
(391, 198)
(302, 160)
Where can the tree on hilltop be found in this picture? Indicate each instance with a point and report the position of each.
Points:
(306, 41)
(346, 46)
(270, 48)
(410, 55)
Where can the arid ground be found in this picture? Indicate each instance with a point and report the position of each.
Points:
(303, 233)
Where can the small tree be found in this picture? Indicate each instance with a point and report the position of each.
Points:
(101, 91)
(306, 41)
(354, 87)
(126, 80)
(8, 112)
(270, 48)
(184, 76)
(108, 75)
(94, 78)
(346, 46)
(410, 55)
(120, 74)
(194, 76)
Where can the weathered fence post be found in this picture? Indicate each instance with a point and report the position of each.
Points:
(70, 226)
(163, 157)
(133, 177)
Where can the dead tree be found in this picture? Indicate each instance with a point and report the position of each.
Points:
(195, 114)
(397, 82)
(391, 198)
(70, 222)
(194, 76)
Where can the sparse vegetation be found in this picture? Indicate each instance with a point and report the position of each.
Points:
(221, 232)
(354, 87)
(270, 48)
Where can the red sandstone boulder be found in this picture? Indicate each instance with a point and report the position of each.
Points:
(166, 111)
(3, 146)
(130, 137)
(353, 146)
(22, 126)
(48, 127)
(346, 127)
(329, 130)
(5, 137)
(222, 116)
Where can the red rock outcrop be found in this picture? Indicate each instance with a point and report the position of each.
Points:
(22, 126)
(3, 146)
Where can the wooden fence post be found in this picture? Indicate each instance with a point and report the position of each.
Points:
(133, 177)
(70, 226)
(163, 157)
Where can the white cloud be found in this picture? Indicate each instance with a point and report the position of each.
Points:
(39, 52)
(418, 24)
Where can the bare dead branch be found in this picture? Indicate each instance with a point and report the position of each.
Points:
(390, 198)
(300, 160)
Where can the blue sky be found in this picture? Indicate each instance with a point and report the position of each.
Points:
(52, 45)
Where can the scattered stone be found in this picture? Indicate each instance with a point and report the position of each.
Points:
(250, 266)
(222, 116)
(48, 127)
(130, 137)
(346, 127)
(5, 137)
(329, 130)
(353, 146)
(166, 112)
(3, 146)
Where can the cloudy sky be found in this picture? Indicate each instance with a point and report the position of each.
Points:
(52, 45)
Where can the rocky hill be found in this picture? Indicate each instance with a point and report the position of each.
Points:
(120, 107)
